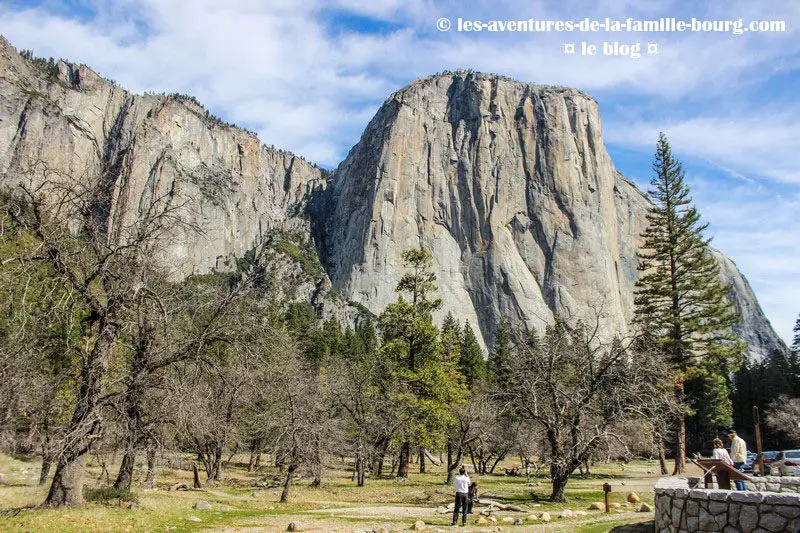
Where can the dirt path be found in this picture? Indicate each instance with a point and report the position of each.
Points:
(370, 518)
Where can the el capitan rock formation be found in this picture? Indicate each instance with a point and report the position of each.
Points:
(508, 184)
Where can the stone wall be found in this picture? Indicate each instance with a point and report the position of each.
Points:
(681, 509)
(775, 484)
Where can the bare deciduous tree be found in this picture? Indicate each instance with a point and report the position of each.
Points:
(783, 417)
(576, 389)
(106, 261)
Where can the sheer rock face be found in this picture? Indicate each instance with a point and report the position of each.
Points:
(508, 184)
(510, 187)
(79, 124)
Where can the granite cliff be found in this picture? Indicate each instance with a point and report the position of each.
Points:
(508, 184)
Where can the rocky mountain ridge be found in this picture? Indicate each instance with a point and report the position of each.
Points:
(508, 184)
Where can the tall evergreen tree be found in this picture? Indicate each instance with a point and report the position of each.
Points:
(450, 326)
(425, 382)
(497, 365)
(796, 340)
(680, 299)
(470, 362)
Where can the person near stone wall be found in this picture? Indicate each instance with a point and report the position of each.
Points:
(738, 455)
(720, 452)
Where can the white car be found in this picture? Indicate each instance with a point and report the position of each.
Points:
(787, 463)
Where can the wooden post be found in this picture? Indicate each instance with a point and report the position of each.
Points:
(607, 490)
(757, 423)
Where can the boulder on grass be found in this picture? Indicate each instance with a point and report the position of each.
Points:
(202, 505)
(597, 506)
(519, 521)
(615, 505)
(533, 517)
(645, 508)
(633, 497)
(419, 525)
(566, 513)
(545, 517)
(294, 526)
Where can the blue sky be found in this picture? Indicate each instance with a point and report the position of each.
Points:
(308, 76)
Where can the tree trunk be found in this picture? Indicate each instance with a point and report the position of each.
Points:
(496, 462)
(84, 427)
(559, 484)
(362, 473)
(452, 465)
(405, 457)
(360, 462)
(680, 444)
(559, 475)
(150, 480)
(255, 452)
(196, 475)
(47, 463)
(384, 447)
(662, 456)
(422, 460)
(66, 490)
(287, 484)
(317, 466)
(125, 475)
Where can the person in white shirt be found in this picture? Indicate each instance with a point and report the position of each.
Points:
(721, 453)
(738, 455)
(462, 495)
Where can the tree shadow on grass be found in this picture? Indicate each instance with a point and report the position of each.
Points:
(641, 527)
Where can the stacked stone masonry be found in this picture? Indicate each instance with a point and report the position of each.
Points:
(680, 508)
(775, 484)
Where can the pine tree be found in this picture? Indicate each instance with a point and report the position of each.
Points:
(425, 382)
(796, 340)
(420, 282)
(497, 369)
(450, 326)
(333, 336)
(679, 298)
(470, 361)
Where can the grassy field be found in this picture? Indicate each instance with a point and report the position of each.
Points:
(249, 502)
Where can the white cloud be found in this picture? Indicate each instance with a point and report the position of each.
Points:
(755, 142)
(266, 64)
(286, 70)
(757, 226)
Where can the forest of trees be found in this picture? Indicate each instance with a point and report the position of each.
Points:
(103, 352)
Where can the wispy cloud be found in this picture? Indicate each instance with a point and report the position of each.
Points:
(757, 143)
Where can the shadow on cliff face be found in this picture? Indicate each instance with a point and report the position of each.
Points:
(642, 527)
